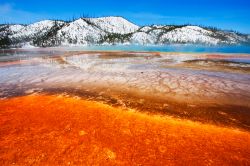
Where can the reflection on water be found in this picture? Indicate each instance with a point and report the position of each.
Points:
(168, 48)
(24, 54)
(170, 83)
(76, 107)
(239, 60)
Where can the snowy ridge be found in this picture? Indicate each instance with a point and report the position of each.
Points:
(192, 34)
(114, 24)
(78, 32)
(110, 30)
(20, 31)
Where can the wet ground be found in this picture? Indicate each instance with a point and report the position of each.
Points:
(61, 130)
(209, 91)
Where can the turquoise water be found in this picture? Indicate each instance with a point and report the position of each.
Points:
(26, 53)
(169, 48)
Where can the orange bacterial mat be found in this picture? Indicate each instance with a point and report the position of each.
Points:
(59, 130)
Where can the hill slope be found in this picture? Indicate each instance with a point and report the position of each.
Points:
(111, 30)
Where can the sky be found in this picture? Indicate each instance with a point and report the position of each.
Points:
(224, 14)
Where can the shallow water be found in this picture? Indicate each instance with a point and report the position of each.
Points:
(60, 106)
(61, 130)
(168, 48)
(206, 87)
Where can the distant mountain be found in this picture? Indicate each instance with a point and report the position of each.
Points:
(111, 30)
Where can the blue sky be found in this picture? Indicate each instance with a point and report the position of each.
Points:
(225, 14)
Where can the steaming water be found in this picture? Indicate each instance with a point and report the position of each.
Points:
(171, 48)
(200, 77)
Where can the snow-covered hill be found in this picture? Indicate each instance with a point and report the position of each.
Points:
(110, 30)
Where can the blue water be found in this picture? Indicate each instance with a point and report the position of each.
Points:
(239, 60)
(169, 48)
